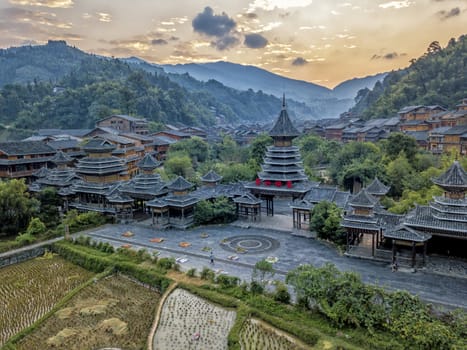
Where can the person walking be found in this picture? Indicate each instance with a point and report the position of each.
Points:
(211, 258)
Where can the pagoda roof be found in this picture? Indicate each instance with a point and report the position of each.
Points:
(211, 176)
(180, 184)
(25, 147)
(118, 197)
(247, 198)
(60, 158)
(363, 199)
(422, 217)
(148, 163)
(377, 188)
(42, 172)
(284, 126)
(455, 177)
(301, 204)
(405, 233)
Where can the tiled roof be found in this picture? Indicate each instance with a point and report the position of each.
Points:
(25, 147)
(180, 184)
(64, 144)
(455, 177)
(119, 197)
(363, 199)
(405, 233)
(148, 163)
(126, 117)
(247, 198)
(377, 188)
(61, 158)
(211, 176)
(283, 126)
(70, 132)
(98, 144)
(422, 217)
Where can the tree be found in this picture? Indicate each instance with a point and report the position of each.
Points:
(195, 147)
(49, 204)
(325, 220)
(36, 227)
(258, 147)
(398, 171)
(399, 142)
(262, 269)
(179, 164)
(217, 211)
(16, 206)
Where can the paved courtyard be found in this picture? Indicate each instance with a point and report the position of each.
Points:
(290, 250)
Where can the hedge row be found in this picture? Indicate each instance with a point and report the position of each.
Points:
(97, 263)
(10, 345)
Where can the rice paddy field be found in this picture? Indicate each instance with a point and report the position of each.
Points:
(30, 289)
(114, 312)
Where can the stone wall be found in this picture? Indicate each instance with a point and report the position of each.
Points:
(10, 258)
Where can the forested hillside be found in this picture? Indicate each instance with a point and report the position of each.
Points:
(79, 89)
(438, 77)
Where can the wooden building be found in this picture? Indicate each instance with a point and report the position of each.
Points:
(125, 123)
(20, 159)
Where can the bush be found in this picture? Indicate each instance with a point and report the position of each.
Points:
(25, 238)
(281, 294)
(256, 287)
(207, 274)
(191, 272)
(165, 263)
(227, 281)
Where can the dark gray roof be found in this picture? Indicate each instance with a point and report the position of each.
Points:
(456, 130)
(71, 132)
(117, 139)
(19, 148)
(61, 158)
(455, 177)
(118, 197)
(405, 233)
(247, 198)
(180, 184)
(64, 144)
(148, 163)
(126, 117)
(363, 199)
(284, 126)
(97, 144)
(377, 188)
(408, 109)
(211, 176)
(422, 217)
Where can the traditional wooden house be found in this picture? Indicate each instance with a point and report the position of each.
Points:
(20, 159)
(125, 123)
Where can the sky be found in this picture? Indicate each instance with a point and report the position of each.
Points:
(321, 41)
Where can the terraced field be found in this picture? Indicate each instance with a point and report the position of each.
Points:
(30, 289)
(115, 312)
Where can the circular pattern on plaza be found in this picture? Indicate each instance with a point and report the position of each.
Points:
(250, 244)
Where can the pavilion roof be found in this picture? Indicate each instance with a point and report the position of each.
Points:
(455, 176)
(211, 176)
(377, 188)
(247, 198)
(148, 163)
(61, 158)
(180, 184)
(363, 199)
(283, 125)
(405, 233)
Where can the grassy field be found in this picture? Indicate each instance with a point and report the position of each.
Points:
(114, 312)
(29, 289)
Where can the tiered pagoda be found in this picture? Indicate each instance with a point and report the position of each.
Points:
(362, 221)
(102, 175)
(60, 177)
(445, 218)
(176, 209)
(282, 170)
(146, 185)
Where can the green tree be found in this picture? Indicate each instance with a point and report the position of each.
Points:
(258, 147)
(398, 171)
(16, 206)
(36, 227)
(195, 147)
(179, 164)
(49, 204)
(325, 221)
(262, 270)
(399, 142)
(217, 211)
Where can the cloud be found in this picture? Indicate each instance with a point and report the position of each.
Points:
(251, 15)
(19, 16)
(225, 42)
(448, 14)
(159, 42)
(44, 3)
(210, 24)
(104, 17)
(388, 56)
(255, 41)
(269, 5)
(396, 4)
(299, 61)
